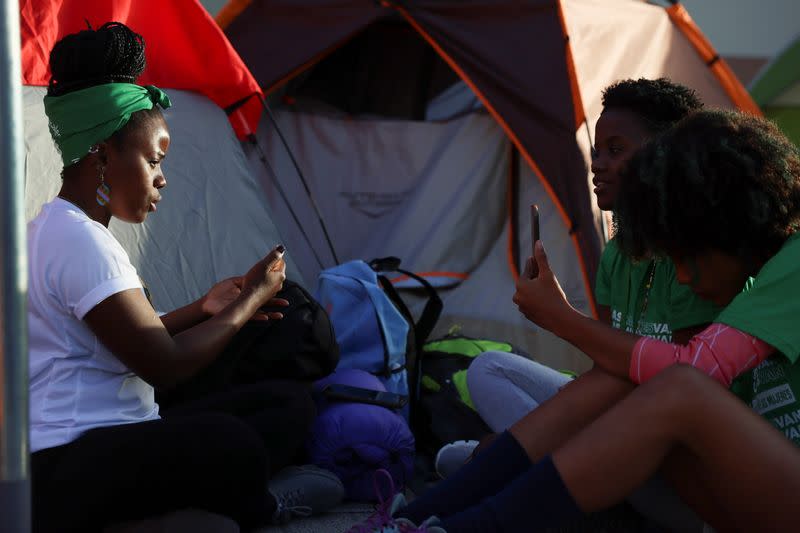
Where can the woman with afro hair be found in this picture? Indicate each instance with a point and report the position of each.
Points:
(641, 296)
(719, 418)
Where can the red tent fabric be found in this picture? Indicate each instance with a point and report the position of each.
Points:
(185, 48)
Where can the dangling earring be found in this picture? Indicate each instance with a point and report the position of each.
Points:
(103, 191)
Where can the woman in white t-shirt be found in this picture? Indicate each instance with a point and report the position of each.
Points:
(102, 453)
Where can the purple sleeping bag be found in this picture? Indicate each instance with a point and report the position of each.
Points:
(353, 440)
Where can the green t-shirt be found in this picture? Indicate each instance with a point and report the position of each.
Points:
(622, 285)
(769, 308)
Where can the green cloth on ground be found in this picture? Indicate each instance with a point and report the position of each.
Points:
(81, 119)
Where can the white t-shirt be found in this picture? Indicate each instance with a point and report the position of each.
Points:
(76, 383)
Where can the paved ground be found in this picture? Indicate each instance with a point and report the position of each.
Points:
(337, 521)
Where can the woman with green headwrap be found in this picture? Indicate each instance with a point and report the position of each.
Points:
(102, 452)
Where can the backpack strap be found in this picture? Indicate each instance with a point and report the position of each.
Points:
(421, 330)
(433, 307)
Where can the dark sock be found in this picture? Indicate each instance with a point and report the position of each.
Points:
(535, 501)
(485, 475)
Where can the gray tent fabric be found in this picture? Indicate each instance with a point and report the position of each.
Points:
(211, 223)
(433, 194)
(456, 100)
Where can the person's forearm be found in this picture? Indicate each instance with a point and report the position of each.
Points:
(201, 344)
(609, 348)
(184, 317)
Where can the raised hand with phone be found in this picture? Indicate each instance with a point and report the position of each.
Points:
(539, 296)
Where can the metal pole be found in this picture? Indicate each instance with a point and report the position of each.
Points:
(15, 513)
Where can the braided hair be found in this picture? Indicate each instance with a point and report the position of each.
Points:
(659, 103)
(113, 53)
(719, 180)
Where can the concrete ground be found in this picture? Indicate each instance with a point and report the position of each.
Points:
(337, 521)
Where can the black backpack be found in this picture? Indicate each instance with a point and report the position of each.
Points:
(444, 410)
(300, 346)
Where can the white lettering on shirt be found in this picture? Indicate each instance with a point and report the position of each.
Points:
(774, 398)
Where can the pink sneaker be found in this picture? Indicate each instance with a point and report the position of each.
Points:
(383, 521)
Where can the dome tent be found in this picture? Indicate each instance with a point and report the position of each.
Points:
(370, 97)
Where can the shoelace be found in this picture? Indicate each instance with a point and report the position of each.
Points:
(382, 517)
(288, 506)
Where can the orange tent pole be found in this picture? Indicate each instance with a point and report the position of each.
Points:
(721, 70)
(577, 101)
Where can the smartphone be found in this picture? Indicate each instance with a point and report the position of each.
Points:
(347, 393)
(534, 236)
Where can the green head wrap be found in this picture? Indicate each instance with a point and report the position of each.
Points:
(81, 119)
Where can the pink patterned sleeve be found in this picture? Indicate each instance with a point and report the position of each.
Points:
(720, 351)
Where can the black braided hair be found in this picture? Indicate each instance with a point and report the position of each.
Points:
(719, 180)
(659, 103)
(113, 53)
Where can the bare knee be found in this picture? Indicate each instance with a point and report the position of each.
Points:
(679, 388)
(605, 381)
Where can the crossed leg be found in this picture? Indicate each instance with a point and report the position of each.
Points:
(575, 406)
(737, 469)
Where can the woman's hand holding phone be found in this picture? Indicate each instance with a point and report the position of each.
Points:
(266, 277)
(540, 298)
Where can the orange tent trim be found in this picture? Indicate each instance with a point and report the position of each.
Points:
(577, 101)
(308, 64)
(457, 275)
(721, 70)
(512, 261)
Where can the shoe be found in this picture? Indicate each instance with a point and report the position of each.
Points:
(301, 491)
(383, 521)
(452, 456)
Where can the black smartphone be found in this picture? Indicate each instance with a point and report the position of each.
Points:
(347, 393)
(534, 237)
(534, 226)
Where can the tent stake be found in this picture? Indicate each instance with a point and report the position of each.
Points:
(14, 482)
